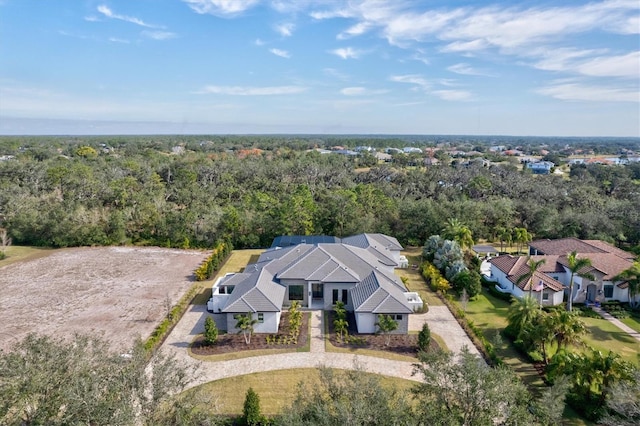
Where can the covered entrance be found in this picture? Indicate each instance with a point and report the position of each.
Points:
(317, 295)
(591, 293)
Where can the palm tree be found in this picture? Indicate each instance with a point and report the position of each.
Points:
(341, 326)
(576, 265)
(632, 277)
(245, 323)
(458, 232)
(567, 328)
(522, 313)
(533, 266)
(522, 236)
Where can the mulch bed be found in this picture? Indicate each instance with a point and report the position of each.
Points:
(228, 343)
(401, 344)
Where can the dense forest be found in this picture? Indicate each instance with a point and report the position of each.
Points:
(191, 191)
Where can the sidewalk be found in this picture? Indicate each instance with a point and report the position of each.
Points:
(622, 326)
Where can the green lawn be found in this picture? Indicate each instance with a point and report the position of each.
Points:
(20, 253)
(276, 389)
(604, 336)
(490, 315)
(632, 322)
(415, 281)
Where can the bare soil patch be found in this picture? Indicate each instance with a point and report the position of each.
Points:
(228, 343)
(120, 293)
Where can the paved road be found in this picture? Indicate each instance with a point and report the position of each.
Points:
(440, 321)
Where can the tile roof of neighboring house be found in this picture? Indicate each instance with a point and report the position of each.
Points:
(608, 264)
(515, 267)
(611, 249)
(564, 246)
(376, 294)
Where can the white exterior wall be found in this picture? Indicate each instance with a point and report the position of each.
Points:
(366, 322)
(621, 294)
(270, 324)
(328, 294)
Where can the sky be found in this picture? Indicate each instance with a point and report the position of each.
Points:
(528, 68)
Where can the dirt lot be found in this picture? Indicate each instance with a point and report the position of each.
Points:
(118, 292)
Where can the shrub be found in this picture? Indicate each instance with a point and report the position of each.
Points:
(424, 337)
(210, 331)
(251, 410)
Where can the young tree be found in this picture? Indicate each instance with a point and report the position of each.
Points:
(533, 266)
(468, 392)
(458, 232)
(424, 338)
(244, 324)
(341, 326)
(251, 409)
(210, 332)
(577, 267)
(350, 397)
(386, 324)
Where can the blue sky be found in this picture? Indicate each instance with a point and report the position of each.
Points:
(565, 68)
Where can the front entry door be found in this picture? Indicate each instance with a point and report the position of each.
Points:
(317, 291)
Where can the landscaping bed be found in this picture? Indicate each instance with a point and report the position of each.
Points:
(401, 344)
(228, 343)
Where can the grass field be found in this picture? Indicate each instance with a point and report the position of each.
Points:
(276, 389)
(20, 253)
(415, 281)
(605, 337)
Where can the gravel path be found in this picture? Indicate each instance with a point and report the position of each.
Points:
(439, 319)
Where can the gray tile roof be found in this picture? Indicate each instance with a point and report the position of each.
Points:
(376, 294)
(256, 294)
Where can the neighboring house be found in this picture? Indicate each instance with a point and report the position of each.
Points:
(317, 271)
(607, 262)
(540, 167)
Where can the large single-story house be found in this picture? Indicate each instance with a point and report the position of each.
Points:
(318, 271)
(553, 277)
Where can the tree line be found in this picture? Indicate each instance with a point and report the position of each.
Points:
(69, 193)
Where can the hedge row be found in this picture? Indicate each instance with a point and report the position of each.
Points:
(164, 328)
(214, 261)
(434, 278)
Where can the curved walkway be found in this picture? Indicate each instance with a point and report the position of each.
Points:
(440, 321)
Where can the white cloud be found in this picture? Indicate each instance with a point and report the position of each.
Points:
(612, 66)
(465, 46)
(466, 69)
(330, 14)
(361, 91)
(576, 91)
(159, 35)
(411, 79)
(106, 11)
(280, 52)
(118, 40)
(259, 42)
(252, 91)
(224, 8)
(285, 30)
(335, 73)
(346, 53)
(453, 95)
(356, 30)
(589, 62)
(91, 18)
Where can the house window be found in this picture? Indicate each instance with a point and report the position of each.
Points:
(608, 291)
(260, 318)
(296, 292)
(545, 296)
(344, 296)
(334, 297)
(398, 317)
